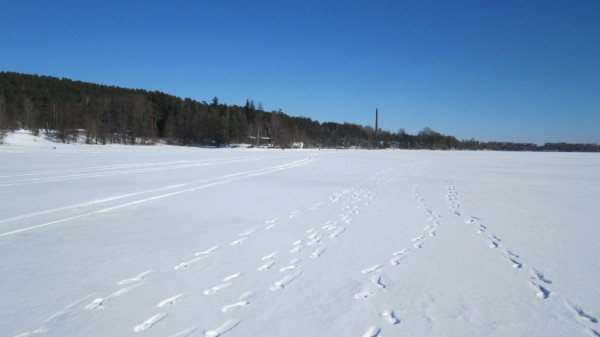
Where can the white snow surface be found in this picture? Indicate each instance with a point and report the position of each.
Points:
(172, 241)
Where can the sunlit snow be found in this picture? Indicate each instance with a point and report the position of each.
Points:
(174, 241)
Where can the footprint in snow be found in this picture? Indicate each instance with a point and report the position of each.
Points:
(270, 256)
(540, 291)
(266, 266)
(281, 284)
(317, 253)
(363, 295)
(580, 313)
(98, 303)
(372, 269)
(209, 251)
(376, 280)
(169, 301)
(390, 317)
(186, 332)
(337, 232)
(372, 332)
(242, 302)
(537, 275)
(418, 244)
(232, 277)
(150, 322)
(239, 241)
(516, 264)
(271, 224)
(248, 232)
(137, 278)
(224, 328)
(234, 306)
(217, 288)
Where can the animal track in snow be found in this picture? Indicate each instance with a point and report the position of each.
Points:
(372, 332)
(294, 214)
(150, 322)
(494, 244)
(224, 328)
(371, 269)
(169, 301)
(481, 229)
(390, 317)
(580, 313)
(137, 278)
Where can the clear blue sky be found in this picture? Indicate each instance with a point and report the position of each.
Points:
(506, 70)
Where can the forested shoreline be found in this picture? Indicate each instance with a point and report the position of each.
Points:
(109, 114)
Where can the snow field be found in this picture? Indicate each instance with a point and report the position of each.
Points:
(296, 243)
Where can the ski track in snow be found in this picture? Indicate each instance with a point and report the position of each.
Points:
(97, 206)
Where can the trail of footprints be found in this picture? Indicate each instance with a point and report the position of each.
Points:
(352, 201)
(537, 281)
(376, 283)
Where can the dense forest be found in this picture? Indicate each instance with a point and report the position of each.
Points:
(106, 114)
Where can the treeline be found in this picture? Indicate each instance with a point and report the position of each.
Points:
(107, 114)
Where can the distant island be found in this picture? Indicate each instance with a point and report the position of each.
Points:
(101, 114)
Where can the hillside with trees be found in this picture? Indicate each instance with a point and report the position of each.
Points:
(109, 114)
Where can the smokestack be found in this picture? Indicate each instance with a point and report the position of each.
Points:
(376, 120)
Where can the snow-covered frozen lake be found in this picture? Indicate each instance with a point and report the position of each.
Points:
(171, 241)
